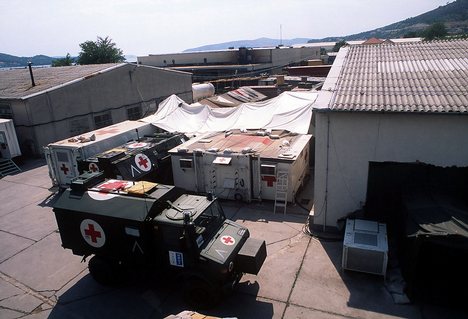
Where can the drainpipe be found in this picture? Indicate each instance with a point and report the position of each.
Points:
(31, 73)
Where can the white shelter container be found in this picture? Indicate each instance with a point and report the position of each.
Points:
(62, 156)
(9, 146)
(242, 165)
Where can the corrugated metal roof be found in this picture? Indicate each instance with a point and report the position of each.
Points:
(237, 142)
(408, 77)
(16, 83)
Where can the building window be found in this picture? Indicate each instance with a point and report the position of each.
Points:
(102, 120)
(79, 126)
(134, 113)
(5, 111)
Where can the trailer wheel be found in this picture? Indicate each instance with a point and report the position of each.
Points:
(104, 271)
(200, 294)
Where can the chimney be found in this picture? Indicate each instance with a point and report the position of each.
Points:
(31, 73)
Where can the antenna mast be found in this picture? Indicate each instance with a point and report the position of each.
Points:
(281, 34)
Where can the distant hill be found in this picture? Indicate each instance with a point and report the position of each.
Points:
(261, 42)
(7, 60)
(11, 61)
(453, 15)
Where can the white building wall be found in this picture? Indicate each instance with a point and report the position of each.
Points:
(346, 142)
(191, 58)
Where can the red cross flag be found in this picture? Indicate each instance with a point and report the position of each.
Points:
(92, 233)
(143, 162)
(228, 240)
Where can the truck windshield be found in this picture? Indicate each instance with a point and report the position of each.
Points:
(208, 222)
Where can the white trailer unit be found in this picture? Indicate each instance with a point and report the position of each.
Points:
(242, 165)
(9, 146)
(62, 156)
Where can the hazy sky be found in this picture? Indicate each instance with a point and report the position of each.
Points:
(141, 27)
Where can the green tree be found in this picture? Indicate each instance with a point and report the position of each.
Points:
(338, 45)
(435, 31)
(66, 61)
(103, 50)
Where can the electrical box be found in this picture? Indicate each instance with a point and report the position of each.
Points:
(365, 246)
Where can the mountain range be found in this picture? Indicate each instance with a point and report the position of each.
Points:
(453, 15)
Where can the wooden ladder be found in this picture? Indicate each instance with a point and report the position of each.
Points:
(281, 195)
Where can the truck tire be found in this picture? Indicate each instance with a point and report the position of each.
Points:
(200, 294)
(104, 271)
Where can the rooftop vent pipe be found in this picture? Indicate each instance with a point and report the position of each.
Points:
(31, 73)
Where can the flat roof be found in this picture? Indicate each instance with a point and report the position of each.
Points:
(279, 145)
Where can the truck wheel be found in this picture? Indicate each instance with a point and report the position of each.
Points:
(200, 294)
(104, 271)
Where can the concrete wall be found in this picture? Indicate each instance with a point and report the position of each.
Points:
(286, 56)
(277, 56)
(48, 117)
(191, 58)
(346, 142)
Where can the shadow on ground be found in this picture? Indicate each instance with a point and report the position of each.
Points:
(147, 297)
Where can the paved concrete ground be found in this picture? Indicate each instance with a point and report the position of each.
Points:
(301, 277)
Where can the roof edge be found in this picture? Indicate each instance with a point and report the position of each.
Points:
(72, 81)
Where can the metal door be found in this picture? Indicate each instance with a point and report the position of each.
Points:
(64, 166)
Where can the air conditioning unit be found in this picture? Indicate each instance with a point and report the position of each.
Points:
(365, 246)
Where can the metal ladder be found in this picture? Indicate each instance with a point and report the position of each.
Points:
(281, 195)
(7, 167)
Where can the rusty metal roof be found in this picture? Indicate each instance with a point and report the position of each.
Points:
(280, 144)
(408, 77)
(16, 83)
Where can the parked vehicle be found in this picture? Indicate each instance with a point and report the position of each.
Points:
(126, 224)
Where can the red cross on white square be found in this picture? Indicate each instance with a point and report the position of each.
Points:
(64, 168)
(269, 179)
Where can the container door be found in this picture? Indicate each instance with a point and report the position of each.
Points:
(4, 148)
(64, 166)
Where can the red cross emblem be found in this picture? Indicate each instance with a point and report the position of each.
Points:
(92, 233)
(65, 169)
(228, 240)
(93, 167)
(143, 162)
(269, 179)
(109, 130)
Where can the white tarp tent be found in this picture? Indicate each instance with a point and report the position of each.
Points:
(290, 111)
